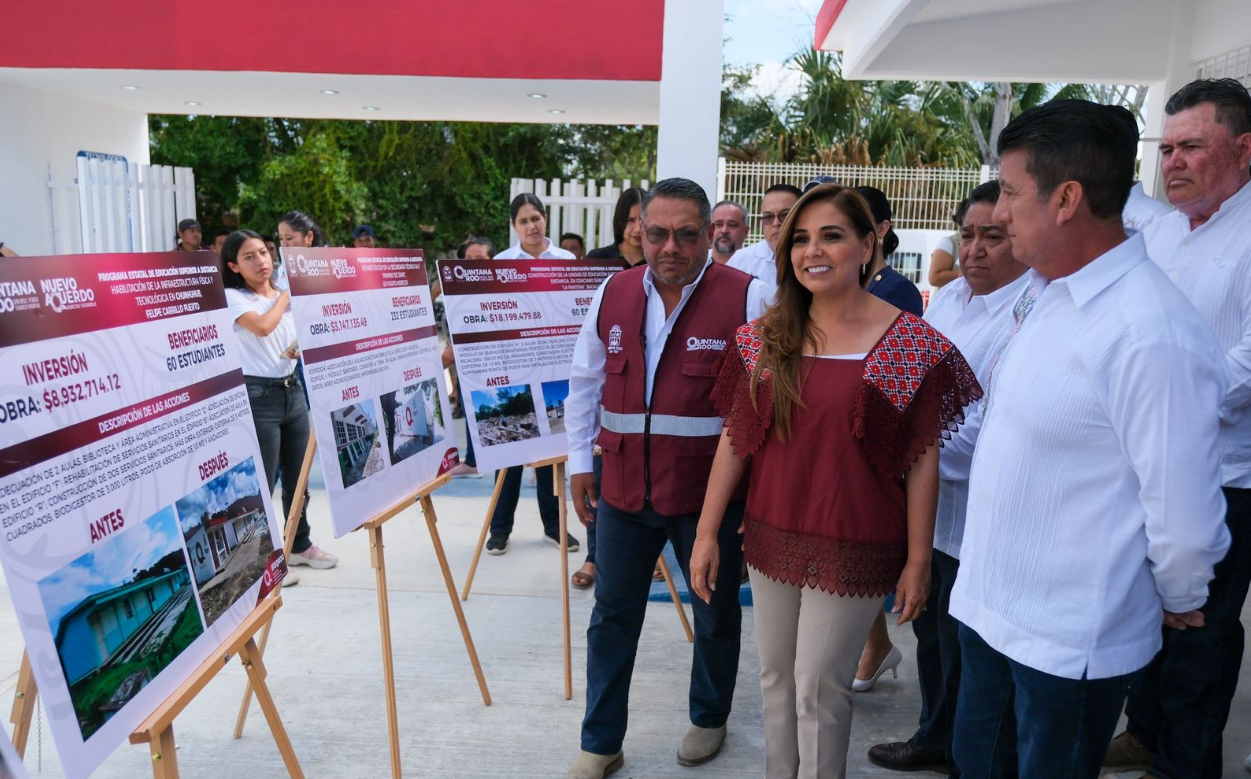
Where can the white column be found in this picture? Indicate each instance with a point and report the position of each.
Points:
(1180, 72)
(690, 92)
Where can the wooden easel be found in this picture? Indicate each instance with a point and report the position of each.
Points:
(158, 729)
(558, 486)
(23, 705)
(373, 527)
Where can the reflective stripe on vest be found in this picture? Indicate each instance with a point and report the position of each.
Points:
(662, 424)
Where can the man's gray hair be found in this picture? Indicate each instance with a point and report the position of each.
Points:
(679, 189)
(741, 211)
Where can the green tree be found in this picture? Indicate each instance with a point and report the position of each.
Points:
(419, 184)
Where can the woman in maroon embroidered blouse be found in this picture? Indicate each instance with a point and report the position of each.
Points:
(835, 400)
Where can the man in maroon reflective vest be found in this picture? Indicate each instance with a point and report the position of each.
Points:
(641, 389)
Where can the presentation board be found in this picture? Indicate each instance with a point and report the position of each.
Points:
(514, 324)
(374, 372)
(10, 765)
(136, 531)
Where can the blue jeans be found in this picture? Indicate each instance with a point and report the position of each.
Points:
(597, 470)
(506, 506)
(629, 544)
(1014, 720)
(1179, 704)
(280, 414)
(938, 661)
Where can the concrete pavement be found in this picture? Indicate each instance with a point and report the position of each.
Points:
(326, 673)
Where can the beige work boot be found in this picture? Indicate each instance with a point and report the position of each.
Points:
(592, 766)
(700, 745)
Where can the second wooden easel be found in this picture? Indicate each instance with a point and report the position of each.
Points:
(373, 528)
(558, 486)
(158, 729)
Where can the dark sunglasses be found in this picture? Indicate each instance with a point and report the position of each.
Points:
(685, 236)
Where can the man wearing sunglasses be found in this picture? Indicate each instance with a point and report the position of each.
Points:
(641, 388)
(757, 259)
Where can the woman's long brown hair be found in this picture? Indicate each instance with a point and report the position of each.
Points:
(786, 328)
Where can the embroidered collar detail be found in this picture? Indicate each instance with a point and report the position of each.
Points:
(901, 360)
(747, 337)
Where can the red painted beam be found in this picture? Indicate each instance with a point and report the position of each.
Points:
(826, 18)
(539, 39)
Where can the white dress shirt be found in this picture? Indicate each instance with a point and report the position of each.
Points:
(1094, 498)
(586, 380)
(1141, 208)
(757, 260)
(1211, 265)
(979, 326)
(550, 252)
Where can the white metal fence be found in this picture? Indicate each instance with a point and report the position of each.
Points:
(921, 198)
(582, 207)
(1231, 64)
(114, 206)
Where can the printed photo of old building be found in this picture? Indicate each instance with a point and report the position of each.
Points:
(357, 442)
(120, 614)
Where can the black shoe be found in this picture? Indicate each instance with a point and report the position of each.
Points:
(554, 539)
(497, 544)
(906, 756)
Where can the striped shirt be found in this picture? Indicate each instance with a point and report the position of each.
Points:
(1094, 497)
(1211, 265)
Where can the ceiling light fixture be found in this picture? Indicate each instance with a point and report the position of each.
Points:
(371, 108)
(191, 103)
(130, 87)
(555, 111)
(330, 91)
(537, 95)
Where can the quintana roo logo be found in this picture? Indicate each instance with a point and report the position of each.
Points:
(614, 340)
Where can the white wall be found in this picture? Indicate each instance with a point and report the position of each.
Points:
(1220, 26)
(41, 127)
(690, 92)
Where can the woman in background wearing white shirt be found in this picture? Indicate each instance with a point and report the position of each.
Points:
(265, 331)
(529, 219)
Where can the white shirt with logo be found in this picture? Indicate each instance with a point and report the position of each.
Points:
(586, 380)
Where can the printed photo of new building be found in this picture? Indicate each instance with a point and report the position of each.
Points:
(554, 394)
(414, 419)
(357, 441)
(505, 414)
(120, 614)
(227, 534)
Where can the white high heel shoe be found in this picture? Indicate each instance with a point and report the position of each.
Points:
(891, 663)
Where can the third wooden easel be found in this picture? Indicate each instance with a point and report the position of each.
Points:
(373, 528)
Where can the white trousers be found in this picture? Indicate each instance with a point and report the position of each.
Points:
(810, 643)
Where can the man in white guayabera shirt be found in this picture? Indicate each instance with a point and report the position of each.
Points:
(1178, 707)
(1095, 510)
(758, 259)
(976, 312)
